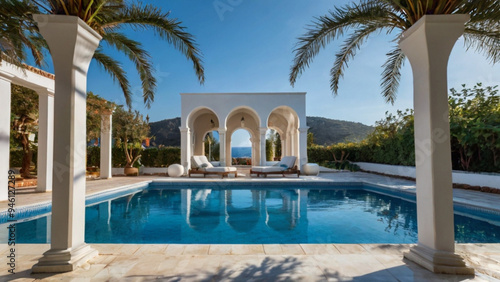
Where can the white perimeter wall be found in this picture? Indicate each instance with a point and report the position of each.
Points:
(459, 177)
(147, 170)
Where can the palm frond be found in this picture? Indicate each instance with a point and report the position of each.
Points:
(171, 30)
(87, 10)
(335, 24)
(16, 30)
(142, 60)
(484, 42)
(115, 70)
(348, 51)
(392, 74)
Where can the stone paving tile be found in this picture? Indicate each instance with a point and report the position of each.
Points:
(273, 249)
(196, 249)
(147, 265)
(220, 250)
(151, 249)
(248, 249)
(393, 249)
(31, 249)
(175, 250)
(128, 249)
(292, 249)
(351, 249)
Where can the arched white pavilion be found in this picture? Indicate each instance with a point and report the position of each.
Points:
(255, 112)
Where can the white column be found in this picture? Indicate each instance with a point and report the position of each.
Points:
(45, 140)
(222, 146)
(428, 44)
(288, 143)
(185, 148)
(263, 131)
(5, 96)
(283, 147)
(72, 44)
(302, 156)
(106, 144)
(254, 149)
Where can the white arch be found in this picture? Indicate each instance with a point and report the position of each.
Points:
(195, 112)
(238, 109)
(289, 109)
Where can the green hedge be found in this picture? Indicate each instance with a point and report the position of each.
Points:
(16, 157)
(152, 157)
(162, 157)
(394, 154)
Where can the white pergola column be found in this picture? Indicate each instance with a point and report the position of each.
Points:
(72, 44)
(185, 148)
(45, 140)
(283, 146)
(428, 45)
(288, 143)
(222, 146)
(254, 150)
(5, 96)
(263, 131)
(302, 156)
(106, 144)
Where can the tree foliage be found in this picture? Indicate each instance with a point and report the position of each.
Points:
(24, 121)
(475, 127)
(474, 131)
(129, 129)
(212, 147)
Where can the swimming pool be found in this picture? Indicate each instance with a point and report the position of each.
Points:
(258, 214)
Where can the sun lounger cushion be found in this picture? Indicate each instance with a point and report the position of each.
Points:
(200, 162)
(285, 163)
(289, 161)
(220, 169)
(268, 168)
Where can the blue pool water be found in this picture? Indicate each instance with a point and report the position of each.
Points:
(167, 214)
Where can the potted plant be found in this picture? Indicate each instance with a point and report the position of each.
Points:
(129, 129)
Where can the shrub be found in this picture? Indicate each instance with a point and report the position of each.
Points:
(162, 157)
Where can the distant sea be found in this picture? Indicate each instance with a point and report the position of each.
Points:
(241, 152)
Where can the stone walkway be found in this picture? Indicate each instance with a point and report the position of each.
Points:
(296, 262)
(304, 262)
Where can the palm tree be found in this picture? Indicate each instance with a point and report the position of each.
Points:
(18, 31)
(482, 33)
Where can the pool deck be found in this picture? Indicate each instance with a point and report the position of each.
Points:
(304, 262)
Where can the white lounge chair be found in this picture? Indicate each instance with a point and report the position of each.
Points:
(201, 165)
(285, 166)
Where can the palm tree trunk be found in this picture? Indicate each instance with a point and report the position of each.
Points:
(27, 156)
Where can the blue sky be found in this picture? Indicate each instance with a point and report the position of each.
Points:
(248, 47)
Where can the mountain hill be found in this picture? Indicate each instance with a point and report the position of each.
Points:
(325, 131)
(331, 131)
(166, 132)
